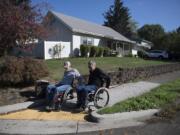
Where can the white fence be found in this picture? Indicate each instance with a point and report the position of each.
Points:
(45, 50)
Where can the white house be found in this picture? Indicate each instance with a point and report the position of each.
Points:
(141, 44)
(71, 32)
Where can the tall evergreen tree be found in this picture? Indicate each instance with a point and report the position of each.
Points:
(118, 18)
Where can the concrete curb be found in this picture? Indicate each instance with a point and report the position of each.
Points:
(133, 115)
(20, 106)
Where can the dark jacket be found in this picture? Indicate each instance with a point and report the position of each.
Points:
(97, 77)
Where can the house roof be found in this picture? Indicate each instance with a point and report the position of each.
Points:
(85, 27)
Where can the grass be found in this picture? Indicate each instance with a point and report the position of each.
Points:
(106, 63)
(156, 98)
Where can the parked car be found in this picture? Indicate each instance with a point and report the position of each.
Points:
(161, 54)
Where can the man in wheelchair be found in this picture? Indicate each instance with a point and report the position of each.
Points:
(96, 80)
(65, 84)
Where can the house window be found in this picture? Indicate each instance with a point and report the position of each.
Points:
(87, 41)
(84, 40)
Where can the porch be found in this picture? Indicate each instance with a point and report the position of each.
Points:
(121, 48)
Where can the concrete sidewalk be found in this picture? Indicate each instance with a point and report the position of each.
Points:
(117, 94)
(20, 106)
(129, 90)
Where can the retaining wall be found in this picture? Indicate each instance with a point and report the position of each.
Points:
(124, 75)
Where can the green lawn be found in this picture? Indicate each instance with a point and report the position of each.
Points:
(156, 98)
(106, 63)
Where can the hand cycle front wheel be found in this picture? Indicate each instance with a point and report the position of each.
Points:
(101, 98)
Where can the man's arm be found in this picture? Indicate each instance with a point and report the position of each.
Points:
(78, 76)
(104, 76)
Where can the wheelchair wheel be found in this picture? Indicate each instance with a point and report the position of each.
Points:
(101, 98)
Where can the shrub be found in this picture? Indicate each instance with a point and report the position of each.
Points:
(106, 52)
(34, 69)
(21, 71)
(142, 54)
(100, 52)
(94, 51)
(84, 49)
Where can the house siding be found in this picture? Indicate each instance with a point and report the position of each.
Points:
(76, 42)
(96, 40)
(57, 30)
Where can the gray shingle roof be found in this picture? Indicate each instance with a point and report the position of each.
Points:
(82, 26)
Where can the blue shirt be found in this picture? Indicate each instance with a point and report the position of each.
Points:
(69, 76)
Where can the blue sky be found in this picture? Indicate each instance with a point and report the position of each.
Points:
(164, 12)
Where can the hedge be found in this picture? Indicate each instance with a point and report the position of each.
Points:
(106, 52)
(21, 71)
(84, 49)
(94, 51)
(142, 54)
(100, 52)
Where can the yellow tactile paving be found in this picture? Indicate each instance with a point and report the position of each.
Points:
(31, 114)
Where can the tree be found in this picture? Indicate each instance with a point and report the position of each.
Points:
(173, 41)
(150, 32)
(118, 18)
(178, 30)
(20, 23)
(154, 33)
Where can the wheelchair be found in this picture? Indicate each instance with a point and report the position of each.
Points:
(99, 97)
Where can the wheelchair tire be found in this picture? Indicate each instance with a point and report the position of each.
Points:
(97, 97)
